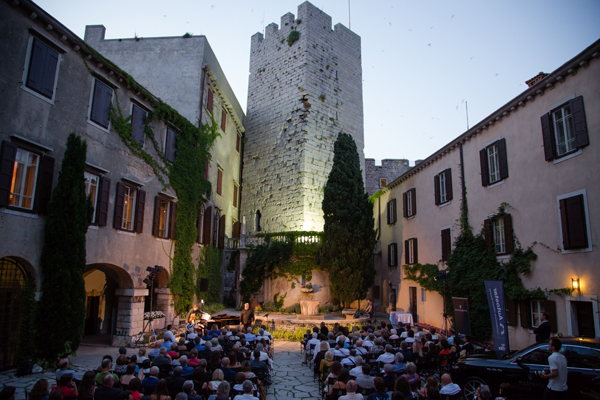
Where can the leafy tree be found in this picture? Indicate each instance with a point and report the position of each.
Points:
(348, 237)
(61, 310)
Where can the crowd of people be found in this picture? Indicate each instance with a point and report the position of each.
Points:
(215, 364)
(382, 362)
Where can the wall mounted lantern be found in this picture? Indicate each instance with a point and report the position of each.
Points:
(575, 285)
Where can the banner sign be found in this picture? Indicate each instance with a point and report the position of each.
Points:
(495, 296)
(461, 316)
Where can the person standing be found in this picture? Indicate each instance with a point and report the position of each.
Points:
(247, 316)
(542, 332)
(370, 309)
(557, 384)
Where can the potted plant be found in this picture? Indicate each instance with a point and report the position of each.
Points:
(306, 288)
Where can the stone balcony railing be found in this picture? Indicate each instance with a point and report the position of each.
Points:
(251, 241)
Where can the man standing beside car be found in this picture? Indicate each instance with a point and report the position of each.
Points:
(542, 332)
(557, 385)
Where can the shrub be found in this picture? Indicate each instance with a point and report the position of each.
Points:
(213, 308)
(292, 37)
(293, 309)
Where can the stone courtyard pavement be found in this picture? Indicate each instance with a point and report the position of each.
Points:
(291, 379)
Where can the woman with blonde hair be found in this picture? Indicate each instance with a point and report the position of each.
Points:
(217, 378)
(417, 349)
(326, 362)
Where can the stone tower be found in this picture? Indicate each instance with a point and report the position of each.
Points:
(301, 94)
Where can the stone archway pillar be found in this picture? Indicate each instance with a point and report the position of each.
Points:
(164, 303)
(130, 316)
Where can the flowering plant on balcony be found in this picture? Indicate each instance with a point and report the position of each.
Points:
(154, 315)
(306, 285)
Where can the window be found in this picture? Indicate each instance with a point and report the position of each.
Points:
(207, 224)
(574, 221)
(92, 183)
(538, 356)
(493, 162)
(219, 181)
(537, 308)
(498, 234)
(392, 255)
(411, 251)
(409, 200)
(257, 227)
(382, 182)
(238, 142)
(391, 212)
(24, 178)
(209, 101)
(138, 116)
(423, 295)
(446, 243)
(170, 144)
(41, 73)
(582, 357)
(443, 187)
(235, 194)
(531, 311)
(129, 208)
(223, 119)
(564, 129)
(101, 100)
(163, 225)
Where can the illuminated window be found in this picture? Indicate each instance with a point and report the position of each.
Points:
(128, 209)
(163, 219)
(91, 190)
(23, 181)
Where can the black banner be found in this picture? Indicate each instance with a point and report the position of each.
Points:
(495, 296)
(461, 316)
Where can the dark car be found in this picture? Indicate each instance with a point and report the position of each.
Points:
(521, 369)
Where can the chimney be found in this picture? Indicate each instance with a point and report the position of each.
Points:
(536, 79)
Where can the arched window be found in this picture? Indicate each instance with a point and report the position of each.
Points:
(257, 221)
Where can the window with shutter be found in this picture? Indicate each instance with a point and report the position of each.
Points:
(220, 181)
(138, 116)
(223, 119)
(446, 243)
(391, 211)
(92, 183)
(564, 129)
(235, 194)
(162, 217)
(448, 182)
(536, 308)
(393, 255)
(129, 202)
(41, 73)
(409, 203)
(43, 192)
(119, 202)
(497, 232)
(140, 208)
(209, 101)
(103, 200)
(574, 222)
(411, 251)
(208, 215)
(101, 100)
(170, 144)
(24, 177)
(443, 187)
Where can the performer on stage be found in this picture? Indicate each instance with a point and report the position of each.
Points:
(247, 316)
(193, 312)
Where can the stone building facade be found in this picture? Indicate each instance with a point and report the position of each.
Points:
(305, 87)
(378, 176)
(536, 154)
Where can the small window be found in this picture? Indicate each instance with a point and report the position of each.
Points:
(223, 119)
(443, 187)
(128, 209)
(209, 101)
(498, 234)
(393, 255)
(411, 251)
(537, 308)
(564, 129)
(498, 230)
(493, 162)
(101, 101)
(163, 219)
(446, 244)
(391, 212)
(382, 182)
(257, 227)
(25, 171)
(170, 144)
(238, 142)
(138, 125)
(43, 63)
(92, 183)
(163, 225)
(574, 222)
(235, 194)
(220, 181)
(409, 200)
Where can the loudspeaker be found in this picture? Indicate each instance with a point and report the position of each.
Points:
(204, 285)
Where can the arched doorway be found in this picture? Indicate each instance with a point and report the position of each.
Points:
(14, 280)
(159, 298)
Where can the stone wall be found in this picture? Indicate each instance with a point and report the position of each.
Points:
(299, 98)
(388, 170)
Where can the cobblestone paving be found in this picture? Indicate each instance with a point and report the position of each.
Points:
(291, 379)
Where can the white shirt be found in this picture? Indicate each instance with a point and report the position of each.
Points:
(169, 336)
(268, 339)
(368, 343)
(349, 361)
(361, 351)
(410, 340)
(558, 362)
(341, 352)
(451, 388)
(352, 396)
(245, 396)
(386, 358)
(404, 334)
(356, 371)
(314, 341)
(250, 338)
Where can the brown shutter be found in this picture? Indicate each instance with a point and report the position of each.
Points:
(199, 224)
(44, 184)
(221, 244)
(548, 136)
(219, 182)
(8, 154)
(139, 211)
(119, 204)
(449, 195)
(525, 312)
(579, 123)
(511, 312)
(207, 225)
(394, 212)
(156, 219)
(104, 198)
(415, 251)
(488, 235)
(446, 244)
(483, 163)
(138, 116)
(502, 159)
(209, 101)
(389, 212)
(235, 195)
(396, 254)
(550, 309)
(508, 234)
(406, 250)
(414, 201)
(172, 221)
(404, 205)
(238, 141)
(237, 228)
(573, 223)
(223, 120)
(436, 184)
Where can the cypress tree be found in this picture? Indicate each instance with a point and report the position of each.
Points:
(62, 308)
(349, 235)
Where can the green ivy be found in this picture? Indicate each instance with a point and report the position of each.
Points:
(209, 266)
